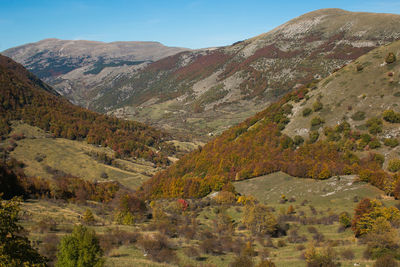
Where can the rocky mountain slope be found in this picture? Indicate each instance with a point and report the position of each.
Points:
(78, 69)
(209, 90)
(347, 123)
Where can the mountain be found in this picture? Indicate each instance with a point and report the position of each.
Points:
(24, 97)
(206, 91)
(347, 123)
(78, 69)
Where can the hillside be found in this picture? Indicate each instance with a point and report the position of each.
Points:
(205, 91)
(25, 97)
(346, 123)
(78, 69)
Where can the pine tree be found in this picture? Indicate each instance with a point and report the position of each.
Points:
(80, 249)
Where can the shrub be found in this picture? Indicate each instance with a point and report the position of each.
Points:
(158, 248)
(392, 142)
(313, 137)
(225, 197)
(316, 121)
(320, 257)
(358, 116)
(306, 112)
(298, 140)
(394, 165)
(386, 261)
(317, 106)
(88, 217)
(345, 219)
(391, 116)
(347, 254)
(390, 58)
(374, 125)
(359, 67)
(81, 248)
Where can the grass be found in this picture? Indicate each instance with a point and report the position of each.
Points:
(335, 193)
(72, 157)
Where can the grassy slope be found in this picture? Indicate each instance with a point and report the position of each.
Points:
(327, 196)
(70, 157)
(348, 91)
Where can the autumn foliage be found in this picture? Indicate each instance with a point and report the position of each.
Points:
(257, 147)
(24, 97)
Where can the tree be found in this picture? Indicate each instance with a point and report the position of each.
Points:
(15, 248)
(88, 217)
(80, 249)
(259, 219)
(382, 240)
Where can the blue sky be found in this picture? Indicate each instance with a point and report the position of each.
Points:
(193, 24)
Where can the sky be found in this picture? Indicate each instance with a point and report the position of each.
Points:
(191, 23)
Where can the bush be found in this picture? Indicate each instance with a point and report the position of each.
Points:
(347, 254)
(158, 248)
(394, 165)
(391, 116)
(317, 106)
(81, 248)
(316, 121)
(345, 219)
(386, 261)
(392, 142)
(374, 125)
(358, 116)
(320, 257)
(314, 135)
(298, 140)
(306, 112)
(390, 58)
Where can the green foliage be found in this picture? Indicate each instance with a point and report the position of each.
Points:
(390, 58)
(317, 106)
(306, 112)
(313, 137)
(394, 165)
(88, 217)
(391, 116)
(298, 140)
(80, 249)
(130, 209)
(374, 125)
(316, 121)
(345, 219)
(358, 116)
(15, 248)
(391, 142)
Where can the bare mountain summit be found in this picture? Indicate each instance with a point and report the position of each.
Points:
(77, 69)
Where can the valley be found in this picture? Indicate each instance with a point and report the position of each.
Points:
(279, 150)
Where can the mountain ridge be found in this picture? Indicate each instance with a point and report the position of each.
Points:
(343, 124)
(76, 67)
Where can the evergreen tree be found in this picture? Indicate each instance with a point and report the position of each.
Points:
(80, 249)
(15, 248)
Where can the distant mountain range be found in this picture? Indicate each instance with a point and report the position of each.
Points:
(77, 69)
(205, 91)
